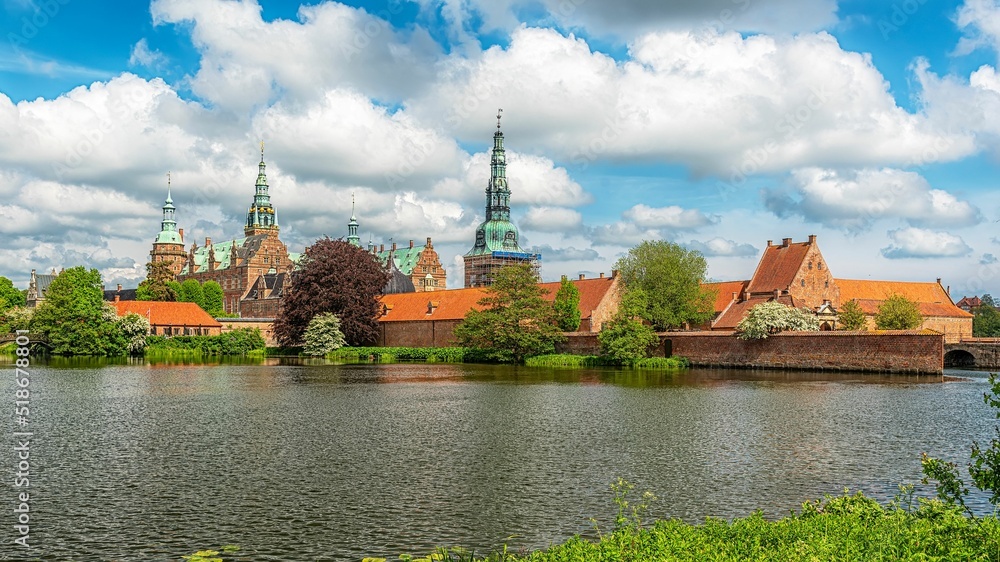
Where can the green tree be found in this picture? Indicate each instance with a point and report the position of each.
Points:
(984, 467)
(157, 285)
(16, 318)
(986, 322)
(898, 313)
(626, 339)
(987, 300)
(567, 306)
(515, 320)
(191, 291)
(9, 295)
(851, 316)
(74, 317)
(769, 318)
(323, 335)
(671, 278)
(213, 299)
(338, 277)
(175, 287)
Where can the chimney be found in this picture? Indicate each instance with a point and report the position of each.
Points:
(381, 248)
(614, 273)
(812, 238)
(208, 241)
(581, 277)
(734, 295)
(777, 293)
(785, 242)
(769, 243)
(948, 290)
(411, 244)
(938, 280)
(429, 245)
(601, 275)
(181, 232)
(119, 287)
(393, 246)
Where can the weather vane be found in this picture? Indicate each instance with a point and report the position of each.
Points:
(498, 117)
(262, 149)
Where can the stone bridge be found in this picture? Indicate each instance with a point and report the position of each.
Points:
(973, 352)
(34, 340)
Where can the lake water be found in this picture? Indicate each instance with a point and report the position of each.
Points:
(306, 462)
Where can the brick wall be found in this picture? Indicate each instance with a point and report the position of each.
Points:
(422, 333)
(895, 352)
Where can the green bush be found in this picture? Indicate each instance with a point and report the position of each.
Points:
(237, 342)
(847, 527)
(393, 354)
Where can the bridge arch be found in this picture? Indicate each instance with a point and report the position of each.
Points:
(959, 358)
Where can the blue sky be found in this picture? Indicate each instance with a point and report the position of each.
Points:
(717, 124)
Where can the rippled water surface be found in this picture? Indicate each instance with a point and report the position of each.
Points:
(308, 462)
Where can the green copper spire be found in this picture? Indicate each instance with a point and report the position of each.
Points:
(261, 214)
(352, 228)
(168, 227)
(497, 233)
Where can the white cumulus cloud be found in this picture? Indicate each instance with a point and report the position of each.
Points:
(920, 243)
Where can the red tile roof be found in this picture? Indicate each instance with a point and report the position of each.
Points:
(971, 302)
(777, 267)
(931, 298)
(453, 304)
(724, 292)
(447, 305)
(168, 313)
(592, 292)
(732, 316)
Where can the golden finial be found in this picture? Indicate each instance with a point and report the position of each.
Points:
(499, 111)
(168, 179)
(261, 150)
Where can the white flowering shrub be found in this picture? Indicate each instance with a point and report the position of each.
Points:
(772, 317)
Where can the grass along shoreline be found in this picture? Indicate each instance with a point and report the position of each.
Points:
(466, 355)
(847, 527)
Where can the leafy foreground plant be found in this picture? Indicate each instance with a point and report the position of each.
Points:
(211, 555)
(847, 527)
(984, 466)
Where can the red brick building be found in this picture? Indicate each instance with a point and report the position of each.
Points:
(252, 268)
(172, 318)
(422, 320)
(797, 275)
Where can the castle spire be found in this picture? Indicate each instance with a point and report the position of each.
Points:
(497, 192)
(352, 227)
(261, 215)
(168, 226)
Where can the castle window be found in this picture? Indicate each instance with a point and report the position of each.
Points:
(827, 285)
(810, 265)
(803, 282)
(820, 266)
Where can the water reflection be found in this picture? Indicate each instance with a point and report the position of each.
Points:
(305, 460)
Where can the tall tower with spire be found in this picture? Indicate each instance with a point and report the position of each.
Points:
(262, 218)
(497, 237)
(352, 227)
(169, 244)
